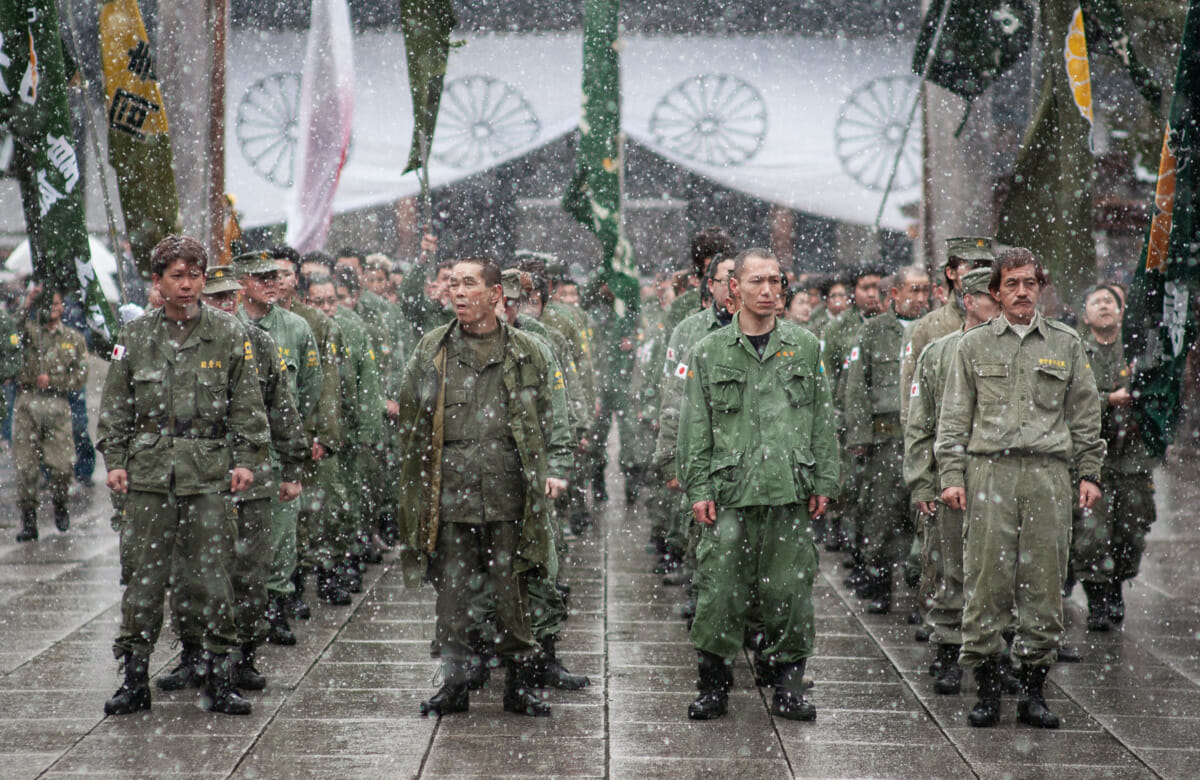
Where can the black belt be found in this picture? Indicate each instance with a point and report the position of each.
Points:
(185, 428)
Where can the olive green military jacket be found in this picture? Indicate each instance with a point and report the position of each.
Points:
(527, 378)
(61, 354)
(573, 324)
(560, 454)
(183, 419)
(757, 431)
(684, 339)
(1126, 449)
(10, 354)
(872, 383)
(392, 335)
(329, 342)
(654, 357)
(840, 342)
(920, 431)
(819, 321)
(361, 383)
(297, 348)
(1006, 395)
(289, 445)
(937, 323)
(576, 416)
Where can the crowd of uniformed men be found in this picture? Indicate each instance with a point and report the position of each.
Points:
(287, 419)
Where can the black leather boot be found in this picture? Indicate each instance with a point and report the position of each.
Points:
(520, 694)
(329, 588)
(1097, 600)
(881, 596)
(62, 517)
(550, 673)
(716, 677)
(949, 680)
(1031, 707)
(296, 607)
(1010, 684)
(1116, 602)
(278, 633)
(134, 693)
(28, 532)
(246, 676)
(453, 696)
(986, 711)
(187, 674)
(351, 576)
(479, 672)
(788, 701)
(219, 693)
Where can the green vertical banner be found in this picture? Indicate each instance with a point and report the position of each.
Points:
(1049, 207)
(426, 25)
(139, 146)
(594, 197)
(33, 106)
(1160, 327)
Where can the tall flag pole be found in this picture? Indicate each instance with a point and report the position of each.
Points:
(594, 197)
(326, 118)
(426, 25)
(33, 106)
(139, 146)
(1160, 327)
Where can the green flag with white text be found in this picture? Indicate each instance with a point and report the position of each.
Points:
(1160, 324)
(33, 107)
(594, 197)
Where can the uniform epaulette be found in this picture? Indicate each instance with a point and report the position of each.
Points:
(1062, 326)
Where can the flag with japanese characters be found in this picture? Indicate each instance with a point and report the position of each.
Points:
(33, 107)
(139, 146)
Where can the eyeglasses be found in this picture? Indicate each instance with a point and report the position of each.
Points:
(319, 302)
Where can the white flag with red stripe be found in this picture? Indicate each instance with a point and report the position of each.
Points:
(324, 124)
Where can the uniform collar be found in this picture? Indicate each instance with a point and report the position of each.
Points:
(1000, 324)
(778, 335)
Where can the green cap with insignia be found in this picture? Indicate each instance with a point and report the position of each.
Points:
(973, 248)
(220, 280)
(260, 262)
(976, 281)
(510, 280)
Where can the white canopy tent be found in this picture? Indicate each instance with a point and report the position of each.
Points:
(811, 124)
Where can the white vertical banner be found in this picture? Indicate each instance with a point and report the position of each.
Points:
(324, 124)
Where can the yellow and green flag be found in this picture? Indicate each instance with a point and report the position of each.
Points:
(139, 146)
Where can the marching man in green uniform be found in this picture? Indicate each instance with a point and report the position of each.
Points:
(1109, 539)
(182, 425)
(758, 458)
(54, 364)
(941, 587)
(1020, 422)
(476, 482)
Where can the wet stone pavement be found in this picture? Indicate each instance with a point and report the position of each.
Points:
(343, 702)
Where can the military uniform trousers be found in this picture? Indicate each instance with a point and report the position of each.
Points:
(884, 507)
(1017, 540)
(284, 521)
(1109, 538)
(941, 588)
(763, 555)
(469, 558)
(42, 436)
(188, 542)
(248, 577)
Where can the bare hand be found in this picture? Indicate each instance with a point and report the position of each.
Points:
(118, 481)
(1089, 494)
(955, 498)
(1120, 397)
(928, 508)
(43, 381)
(817, 506)
(627, 344)
(705, 512)
(318, 451)
(555, 487)
(673, 484)
(429, 244)
(289, 491)
(241, 480)
(391, 408)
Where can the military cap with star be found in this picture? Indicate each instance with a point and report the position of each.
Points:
(220, 279)
(260, 262)
(972, 248)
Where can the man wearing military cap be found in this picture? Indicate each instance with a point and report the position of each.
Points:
(941, 588)
(297, 349)
(182, 425)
